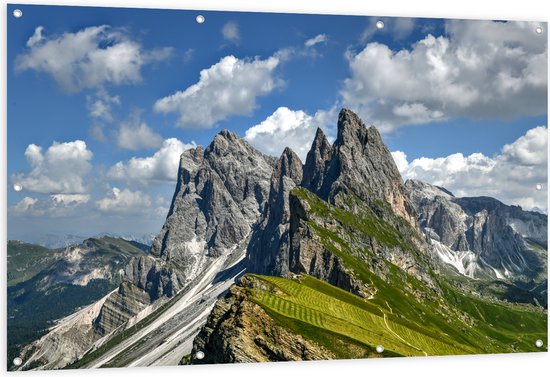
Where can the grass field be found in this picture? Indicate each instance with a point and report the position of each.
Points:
(331, 316)
(405, 315)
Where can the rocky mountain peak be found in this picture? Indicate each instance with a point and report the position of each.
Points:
(351, 129)
(317, 157)
(228, 143)
(289, 165)
(362, 165)
(220, 194)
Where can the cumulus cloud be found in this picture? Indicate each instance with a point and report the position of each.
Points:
(60, 170)
(229, 87)
(124, 201)
(479, 69)
(161, 166)
(288, 128)
(321, 38)
(511, 176)
(230, 32)
(88, 58)
(136, 134)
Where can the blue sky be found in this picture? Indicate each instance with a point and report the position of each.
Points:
(101, 101)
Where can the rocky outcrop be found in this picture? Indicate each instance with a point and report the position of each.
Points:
(240, 331)
(268, 250)
(119, 307)
(362, 165)
(481, 236)
(220, 195)
(316, 160)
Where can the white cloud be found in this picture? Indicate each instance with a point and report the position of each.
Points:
(89, 58)
(230, 32)
(288, 128)
(24, 205)
(100, 105)
(68, 199)
(61, 170)
(161, 166)
(124, 201)
(510, 176)
(315, 40)
(229, 87)
(137, 135)
(54, 206)
(36, 37)
(479, 69)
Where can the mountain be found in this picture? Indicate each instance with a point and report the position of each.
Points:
(26, 260)
(484, 239)
(220, 195)
(264, 259)
(352, 223)
(358, 182)
(54, 241)
(45, 285)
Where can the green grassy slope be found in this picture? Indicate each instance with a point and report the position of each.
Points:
(410, 317)
(333, 318)
(26, 260)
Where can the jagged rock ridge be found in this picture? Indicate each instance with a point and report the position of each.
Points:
(356, 174)
(480, 236)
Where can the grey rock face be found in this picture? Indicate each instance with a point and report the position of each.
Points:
(362, 165)
(119, 308)
(269, 246)
(357, 175)
(316, 160)
(220, 195)
(479, 236)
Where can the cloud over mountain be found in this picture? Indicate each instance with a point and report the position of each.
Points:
(478, 69)
(511, 176)
(161, 166)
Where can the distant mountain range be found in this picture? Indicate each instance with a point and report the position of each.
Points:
(45, 285)
(54, 241)
(264, 259)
